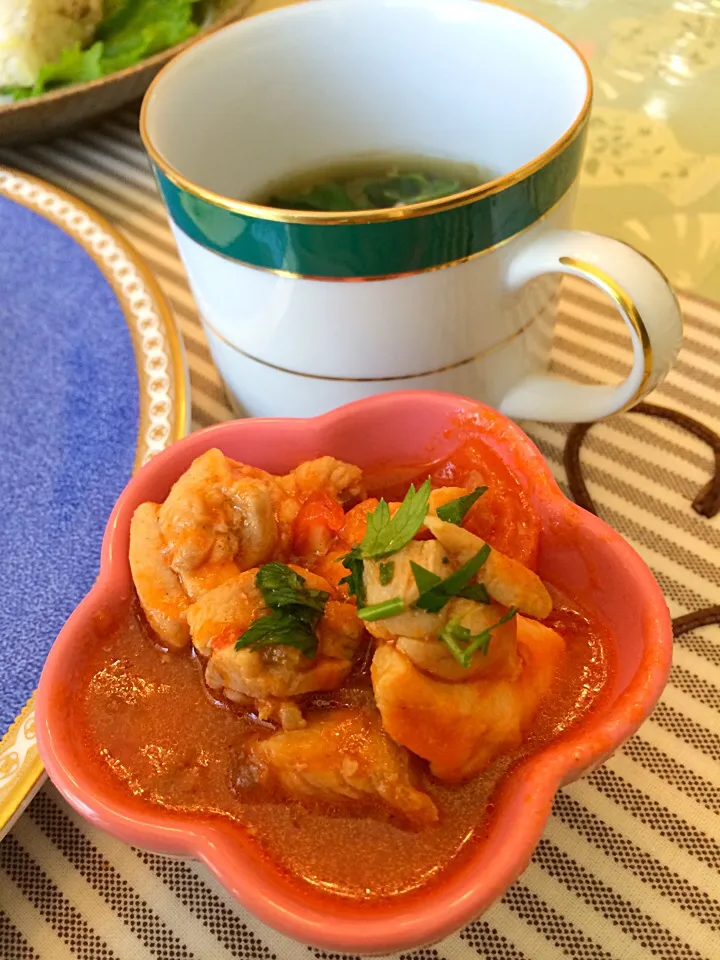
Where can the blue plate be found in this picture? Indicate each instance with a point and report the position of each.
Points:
(93, 383)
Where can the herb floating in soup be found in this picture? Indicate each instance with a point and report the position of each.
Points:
(343, 663)
(373, 184)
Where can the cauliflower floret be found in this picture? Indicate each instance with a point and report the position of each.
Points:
(35, 32)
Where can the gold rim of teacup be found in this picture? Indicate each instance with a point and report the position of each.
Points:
(259, 212)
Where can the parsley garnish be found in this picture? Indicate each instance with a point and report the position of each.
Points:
(387, 572)
(454, 510)
(425, 579)
(353, 563)
(436, 592)
(386, 535)
(295, 608)
(282, 628)
(281, 587)
(380, 611)
(475, 591)
(463, 645)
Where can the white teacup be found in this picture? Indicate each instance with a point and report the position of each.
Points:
(308, 310)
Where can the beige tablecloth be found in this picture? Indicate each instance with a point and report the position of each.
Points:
(628, 866)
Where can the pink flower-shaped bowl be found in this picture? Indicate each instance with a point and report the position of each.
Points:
(578, 553)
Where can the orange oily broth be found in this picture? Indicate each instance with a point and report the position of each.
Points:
(149, 722)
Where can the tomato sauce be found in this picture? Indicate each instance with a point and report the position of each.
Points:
(150, 724)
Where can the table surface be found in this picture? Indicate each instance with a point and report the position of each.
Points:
(628, 866)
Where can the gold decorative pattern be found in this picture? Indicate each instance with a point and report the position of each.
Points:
(164, 406)
(626, 305)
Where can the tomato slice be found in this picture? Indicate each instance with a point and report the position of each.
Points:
(316, 524)
(355, 525)
(502, 516)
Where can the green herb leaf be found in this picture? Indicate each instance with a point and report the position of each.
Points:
(425, 579)
(295, 608)
(435, 593)
(475, 591)
(380, 611)
(456, 637)
(323, 196)
(454, 510)
(369, 193)
(463, 645)
(282, 587)
(387, 572)
(353, 562)
(377, 522)
(386, 534)
(407, 188)
(282, 628)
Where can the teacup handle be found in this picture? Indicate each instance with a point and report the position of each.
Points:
(645, 301)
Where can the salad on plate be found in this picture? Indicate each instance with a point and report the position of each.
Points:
(46, 44)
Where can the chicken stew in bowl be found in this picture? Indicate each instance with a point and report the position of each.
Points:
(345, 663)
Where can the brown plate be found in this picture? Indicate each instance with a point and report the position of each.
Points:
(56, 112)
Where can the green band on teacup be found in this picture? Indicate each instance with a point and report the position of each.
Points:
(354, 251)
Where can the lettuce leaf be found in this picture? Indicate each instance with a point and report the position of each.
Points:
(73, 66)
(140, 28)
(131, 31)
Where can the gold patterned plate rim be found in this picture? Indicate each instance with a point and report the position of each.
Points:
(164, 405)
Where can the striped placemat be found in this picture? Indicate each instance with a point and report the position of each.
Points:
(628, 866)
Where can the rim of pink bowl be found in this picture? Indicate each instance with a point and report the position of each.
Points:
(522, 804)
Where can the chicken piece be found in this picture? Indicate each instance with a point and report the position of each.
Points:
(507, 581)
(434, 657)
(266, 677)
(222, 614)
(460, 728)
(412, 623)
(160, 593)
(342, 481)
(339, 630)
(284, 713)
(277, 671)
(341, 757)
(218, 520)
(429, 554)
